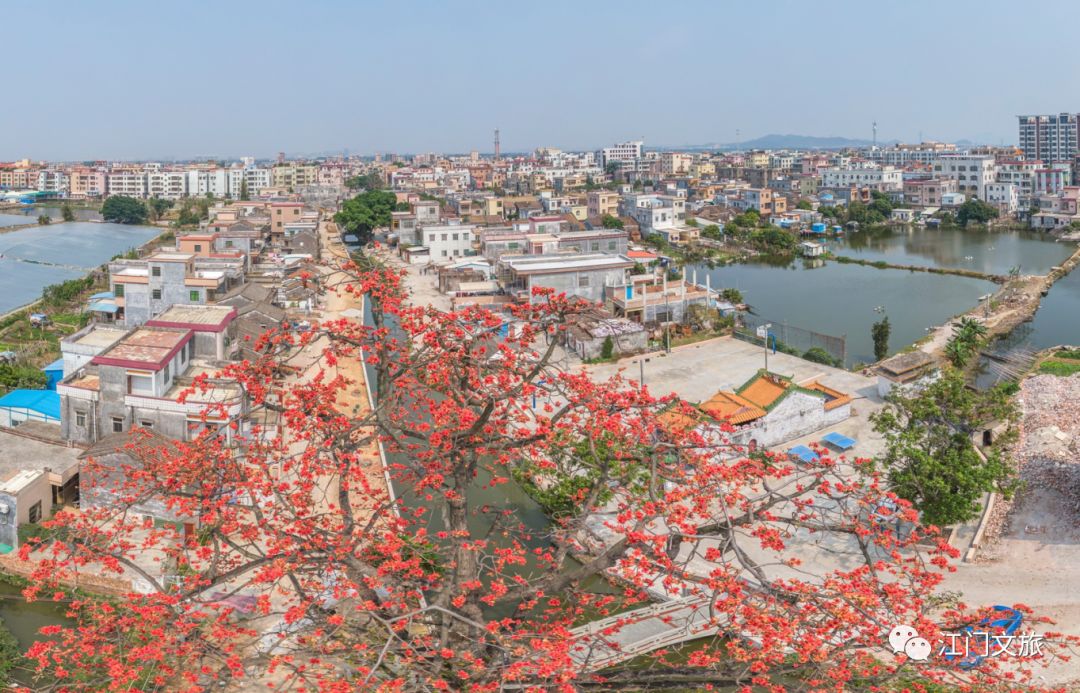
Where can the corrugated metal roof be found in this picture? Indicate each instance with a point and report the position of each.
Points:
(46, 402)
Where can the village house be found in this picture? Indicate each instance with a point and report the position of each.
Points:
(585, 275)
(769, 410)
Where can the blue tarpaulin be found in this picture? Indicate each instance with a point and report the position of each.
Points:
(46, 403)
(803, 453)
(102, 307)
(102, 294)
(840, 441)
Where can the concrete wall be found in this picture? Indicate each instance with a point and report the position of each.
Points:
(136, 304)
(100, 488)
(570, 282)
(632, 343)
(39, 490)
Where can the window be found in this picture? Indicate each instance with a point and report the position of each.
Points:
(193, 295)
(198, 247)
(583, 280)
(167, 373)
(146, 423)
(155, 270)
(35, 513)
(140, 385)
(80, 419)
(117, 424)
(156, 293)
(228, 244)
(118, 291)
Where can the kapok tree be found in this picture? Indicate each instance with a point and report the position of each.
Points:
(315, 566)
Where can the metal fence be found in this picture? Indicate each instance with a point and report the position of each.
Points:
(797, 338)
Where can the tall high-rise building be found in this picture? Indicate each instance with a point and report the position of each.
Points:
(1049, 138)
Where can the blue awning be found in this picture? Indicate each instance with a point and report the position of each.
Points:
(102, 307)
(102, 294)
(57, 365)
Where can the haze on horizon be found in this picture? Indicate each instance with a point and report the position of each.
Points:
(144, 80)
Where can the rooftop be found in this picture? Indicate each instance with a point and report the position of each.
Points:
(194, 316)
(145, 346)
(565, 263)
(905, 363)
(730, 407)
(96, 336)
(170, 256)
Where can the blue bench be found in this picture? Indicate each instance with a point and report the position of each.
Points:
(803, 453)
(839, 441)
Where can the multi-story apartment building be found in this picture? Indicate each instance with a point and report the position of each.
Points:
(167, 185)
(675, 163)
(927, 192)
(86, 182)
(294, 175)
(624, 152)
(1052, 179)
(1021, 175)
(901, 155)
(1004, 196)
(144, 288)
(129, 183)
(445, 242)
(1049, 137)
(601, 202)
(53, 181)
(282, 213)
(883, 178)
(765, 200)
(971, 172)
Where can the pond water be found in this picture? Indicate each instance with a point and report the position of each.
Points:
(8, 219)
(837, 299)
(30, 213)
(31, 259)
(24, 620)
(980, 251)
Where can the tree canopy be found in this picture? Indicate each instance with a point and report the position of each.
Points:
(975, 210)
(303, 571)
(930, 456)
(611, 222)
(366, 212)
(121, 209)
(368, 181)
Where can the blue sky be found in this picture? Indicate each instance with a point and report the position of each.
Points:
(149, 79)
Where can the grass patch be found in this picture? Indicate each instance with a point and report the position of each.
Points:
(1062, 369)
(1072, 354)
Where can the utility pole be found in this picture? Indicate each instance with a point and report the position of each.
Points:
(763, 332)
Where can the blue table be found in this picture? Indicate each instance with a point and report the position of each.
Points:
(839, 441)
(803, 453)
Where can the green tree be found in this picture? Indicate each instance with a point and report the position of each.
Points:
(67, 212)
(44, 220)
(369, 181)
(975, 210)
(366, 212)
(610, 222)
(245, 195)
(967, 338)
(880, 332)
(15, 376)
(819, 355)
(638, 268)
(929, 453)
(803, 204)
(121, 209)
(402, 207)
(156, 207)
(732, 296)
(712, 231)
(608, 348)
(691, 222)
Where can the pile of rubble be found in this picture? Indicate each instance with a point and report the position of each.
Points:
(1047, 452)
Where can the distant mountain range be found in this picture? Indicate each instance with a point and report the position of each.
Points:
(797, 142)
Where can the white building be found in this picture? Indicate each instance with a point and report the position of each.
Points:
(447, 241)
(1004, 196)
(622, 152)
(130, 183)
(971, 172)
(168, 185)
(881, 178)
(52, 181)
